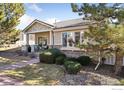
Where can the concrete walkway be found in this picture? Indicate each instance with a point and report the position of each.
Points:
(19, 64)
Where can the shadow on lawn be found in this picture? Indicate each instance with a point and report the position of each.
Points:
(37, 74)
(13, 55)
(6, 61)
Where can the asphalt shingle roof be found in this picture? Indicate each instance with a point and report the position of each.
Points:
(72, 22)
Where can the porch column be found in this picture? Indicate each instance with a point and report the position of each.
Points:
(51, 40)
(25, 42)
(27, 39)
(31, 41)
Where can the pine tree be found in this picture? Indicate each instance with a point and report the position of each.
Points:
(103, 34)
(9, 19)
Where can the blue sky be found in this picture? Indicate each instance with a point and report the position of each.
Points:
(46, 12)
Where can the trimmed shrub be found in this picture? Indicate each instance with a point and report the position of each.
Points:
(84, 60)
(71, 59)
(66, 63)
(72, 67)
(47, 57)
(60, 60)
(63, 55)
(50, 55)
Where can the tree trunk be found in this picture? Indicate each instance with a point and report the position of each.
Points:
(99, 60)
(118, 63)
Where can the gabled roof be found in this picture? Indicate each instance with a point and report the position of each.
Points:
(38, 21)
(63, 24)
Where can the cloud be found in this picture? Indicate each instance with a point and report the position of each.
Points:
(24, 21)
(52, 20)
(35, 8)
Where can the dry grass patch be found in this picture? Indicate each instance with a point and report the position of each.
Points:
(6, 61)
(37, 74)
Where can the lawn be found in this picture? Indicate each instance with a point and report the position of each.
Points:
(51, 74)
(37, 74)
(10, 56)
(6, 61)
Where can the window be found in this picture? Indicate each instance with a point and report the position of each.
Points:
(64, 39)
(81, 37)
(77, 38)
(42, 41)
(71, 39)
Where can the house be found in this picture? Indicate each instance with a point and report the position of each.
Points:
(57, 35)
(63, 35)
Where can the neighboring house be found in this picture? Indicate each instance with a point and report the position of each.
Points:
(63, 35)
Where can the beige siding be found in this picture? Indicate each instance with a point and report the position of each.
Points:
(37, 27)
(57, 38)
(31, 39)
(24, 40)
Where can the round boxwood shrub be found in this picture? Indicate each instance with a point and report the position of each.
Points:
(71, 59)
(84, 60)
(56, 52)
(66, 63)
(60, 60)
(50, 55)
(72, 67)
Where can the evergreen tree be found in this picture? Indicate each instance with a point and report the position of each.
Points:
(103, 33)
(9, 19)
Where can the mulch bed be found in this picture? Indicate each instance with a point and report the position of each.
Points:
(104, 75)
(107, 70)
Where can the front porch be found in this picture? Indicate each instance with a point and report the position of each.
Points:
(36, 41)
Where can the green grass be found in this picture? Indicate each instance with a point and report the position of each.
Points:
(37, 74)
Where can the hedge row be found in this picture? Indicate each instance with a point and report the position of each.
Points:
(72, 65)
(50, 55)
